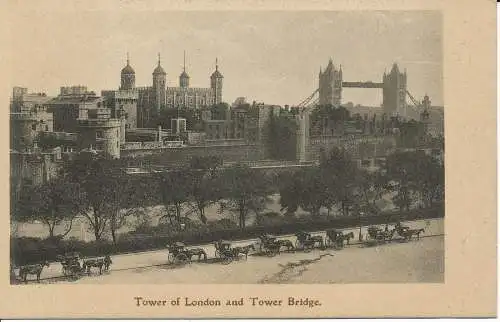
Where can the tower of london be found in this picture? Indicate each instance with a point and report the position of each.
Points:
(153, 99)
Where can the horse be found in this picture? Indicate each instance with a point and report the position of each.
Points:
(107, 262)
(347, 237)
(408, 234)
(95, 262)
(243, 250)
(196, 252)
(34, 269)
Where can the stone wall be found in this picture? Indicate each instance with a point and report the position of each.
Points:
(173, 156)
(360, 147)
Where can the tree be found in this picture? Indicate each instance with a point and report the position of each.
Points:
(290, 189)
(175, 189)
(98, 179)
(54, 204)
(339, 173)
(205, 190)
(128, 198)
(370, 186)
(244, 189)
(313, 192)
(415, 174)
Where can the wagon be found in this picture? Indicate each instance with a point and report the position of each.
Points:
(224, 251)
(378, 235)
(334, 238)
(177, 253)
(70, 264)
(269, 245)
(306, 241)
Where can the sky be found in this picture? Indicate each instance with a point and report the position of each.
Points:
(267, 56)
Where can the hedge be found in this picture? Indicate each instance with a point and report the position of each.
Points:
(27, 250)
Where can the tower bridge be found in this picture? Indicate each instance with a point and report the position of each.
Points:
(362, 85)
(393, 85)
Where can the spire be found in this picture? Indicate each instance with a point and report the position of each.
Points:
(128, 59)
(159, 69)
(216, 74)
(184, 68)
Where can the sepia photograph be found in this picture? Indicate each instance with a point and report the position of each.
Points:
(153, 164)
(245, 161)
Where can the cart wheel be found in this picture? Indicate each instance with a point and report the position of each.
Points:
(271, 252)
(181, 259)
(226, 259)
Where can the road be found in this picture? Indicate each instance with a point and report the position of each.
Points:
(398, 262)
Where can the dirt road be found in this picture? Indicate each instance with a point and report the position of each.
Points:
(415, 261)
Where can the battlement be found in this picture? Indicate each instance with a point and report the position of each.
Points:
(106, 123)
(29, 116)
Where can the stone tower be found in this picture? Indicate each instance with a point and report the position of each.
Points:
(425, 115)
(101, 133)
(330, 85)
(159, 86)
(216, 83)
(127, 76)
(302, 119)
(394, 92)
(184, 78)
(23, 131)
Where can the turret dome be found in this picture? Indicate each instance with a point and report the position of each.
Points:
(159, 70)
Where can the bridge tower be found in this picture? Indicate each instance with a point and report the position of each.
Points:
(394, 92)
(330, 85)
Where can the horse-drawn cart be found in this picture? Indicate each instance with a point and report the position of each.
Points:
(269, 245)
(224, 252)
(378, 235)
(71, 266)
(335, 238)
(306, 241)
(178, 254)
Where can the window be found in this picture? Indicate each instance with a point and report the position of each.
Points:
(365, 163)
(33, 127)
(46, 128)
(99, 135)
